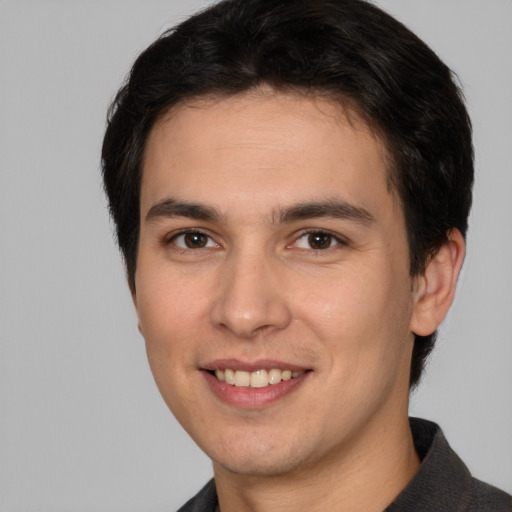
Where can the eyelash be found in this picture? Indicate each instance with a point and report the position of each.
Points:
(334, 240)
(171, 240)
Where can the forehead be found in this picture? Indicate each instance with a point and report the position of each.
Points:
(262, 148)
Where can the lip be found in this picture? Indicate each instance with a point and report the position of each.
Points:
(252, 398)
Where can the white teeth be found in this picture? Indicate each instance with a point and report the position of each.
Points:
(274, 376)
(286, 375)
(257, 379)
(229, 377)
(242, 379)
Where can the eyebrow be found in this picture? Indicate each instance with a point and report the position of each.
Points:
(168, 208)
(334, 208)
(330, 208)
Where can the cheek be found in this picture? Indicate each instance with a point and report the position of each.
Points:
(169, 310)
(346, 303)
(164, 293)
(361, 316)
(171, 330)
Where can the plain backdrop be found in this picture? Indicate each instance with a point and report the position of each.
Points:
(82, 426)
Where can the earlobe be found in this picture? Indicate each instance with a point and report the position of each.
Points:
(435, 288)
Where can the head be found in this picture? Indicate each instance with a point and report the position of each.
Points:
(347, 51)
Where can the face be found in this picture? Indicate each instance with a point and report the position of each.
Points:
(272, 283)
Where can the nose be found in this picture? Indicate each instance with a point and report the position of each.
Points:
(252, 297)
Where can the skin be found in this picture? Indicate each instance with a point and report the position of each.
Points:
(258, 290)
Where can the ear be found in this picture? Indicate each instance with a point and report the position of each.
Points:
(134, 300)
(435, 288)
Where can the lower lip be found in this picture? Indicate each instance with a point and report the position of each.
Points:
(253, 398)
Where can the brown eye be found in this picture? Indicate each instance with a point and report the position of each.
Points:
(320, 240)
(317, 241)
(193, 240)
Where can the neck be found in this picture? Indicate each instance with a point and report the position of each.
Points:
(366, 477)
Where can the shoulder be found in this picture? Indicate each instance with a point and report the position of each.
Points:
(485, 497)
(443, 482)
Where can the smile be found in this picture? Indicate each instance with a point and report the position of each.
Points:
(257, 379)
(254, 384)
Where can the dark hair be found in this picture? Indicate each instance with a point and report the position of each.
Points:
(347, 49)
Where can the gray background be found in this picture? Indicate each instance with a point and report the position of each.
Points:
(82, 426)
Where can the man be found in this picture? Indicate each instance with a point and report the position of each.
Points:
(291, 183)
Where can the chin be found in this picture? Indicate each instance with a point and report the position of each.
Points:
(258, 466)
(260, 457)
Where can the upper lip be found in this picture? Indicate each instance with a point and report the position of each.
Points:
(251, 366)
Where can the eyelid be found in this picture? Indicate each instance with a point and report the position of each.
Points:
(169, 238)
(341, 240)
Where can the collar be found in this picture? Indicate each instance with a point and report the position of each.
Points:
(443, 482)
